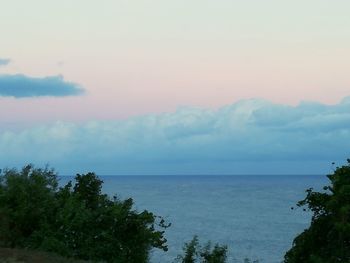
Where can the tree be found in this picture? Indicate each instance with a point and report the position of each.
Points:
(26, 201)
(327, 240)
(194, 252)
(214, 255)
(74, 220)
(190, 250)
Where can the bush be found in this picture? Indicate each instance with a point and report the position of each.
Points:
(194, 252)
(327, 240)
(27, 201)
(75, 221)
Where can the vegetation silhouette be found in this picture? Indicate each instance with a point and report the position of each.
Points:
(327, 240)
(74, 221)
(194, 252)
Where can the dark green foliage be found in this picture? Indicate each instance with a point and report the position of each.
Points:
(194, 252)
(74, 221)
(215, 255)
(27, 200)
(327, 240)
(190, 250)
(88, 190)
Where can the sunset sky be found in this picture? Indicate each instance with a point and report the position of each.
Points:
(175, 87)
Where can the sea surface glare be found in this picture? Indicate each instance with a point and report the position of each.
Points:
(250, 214)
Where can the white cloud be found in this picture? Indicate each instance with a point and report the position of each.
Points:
(251, 136)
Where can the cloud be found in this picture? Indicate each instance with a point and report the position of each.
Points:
(251, 136)
(4, 61)
(21, 86)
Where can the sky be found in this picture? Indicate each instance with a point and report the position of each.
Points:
(175, 87)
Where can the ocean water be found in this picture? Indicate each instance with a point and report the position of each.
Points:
(250, 214)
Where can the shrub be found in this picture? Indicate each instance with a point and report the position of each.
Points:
(75, 220)
(194, 252)
(327, 240)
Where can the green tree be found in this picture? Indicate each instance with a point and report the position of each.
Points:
(88, 188)
(190, 250)
(327, 240)
(75, 220)
(194, 252)
(217, 254)
(26, 202)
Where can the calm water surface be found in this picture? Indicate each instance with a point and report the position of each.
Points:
(251, 214)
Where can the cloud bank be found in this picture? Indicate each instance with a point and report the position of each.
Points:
(4, 61)
(21, 86)
(251, 136)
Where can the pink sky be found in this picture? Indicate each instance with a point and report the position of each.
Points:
(152, 58)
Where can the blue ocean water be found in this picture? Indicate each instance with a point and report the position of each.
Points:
(250, 214)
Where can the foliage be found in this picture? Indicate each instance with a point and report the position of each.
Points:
(74, 221)
(327, 240)
(194, 252)
(27, 200)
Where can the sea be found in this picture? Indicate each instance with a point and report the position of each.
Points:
(251, 214)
